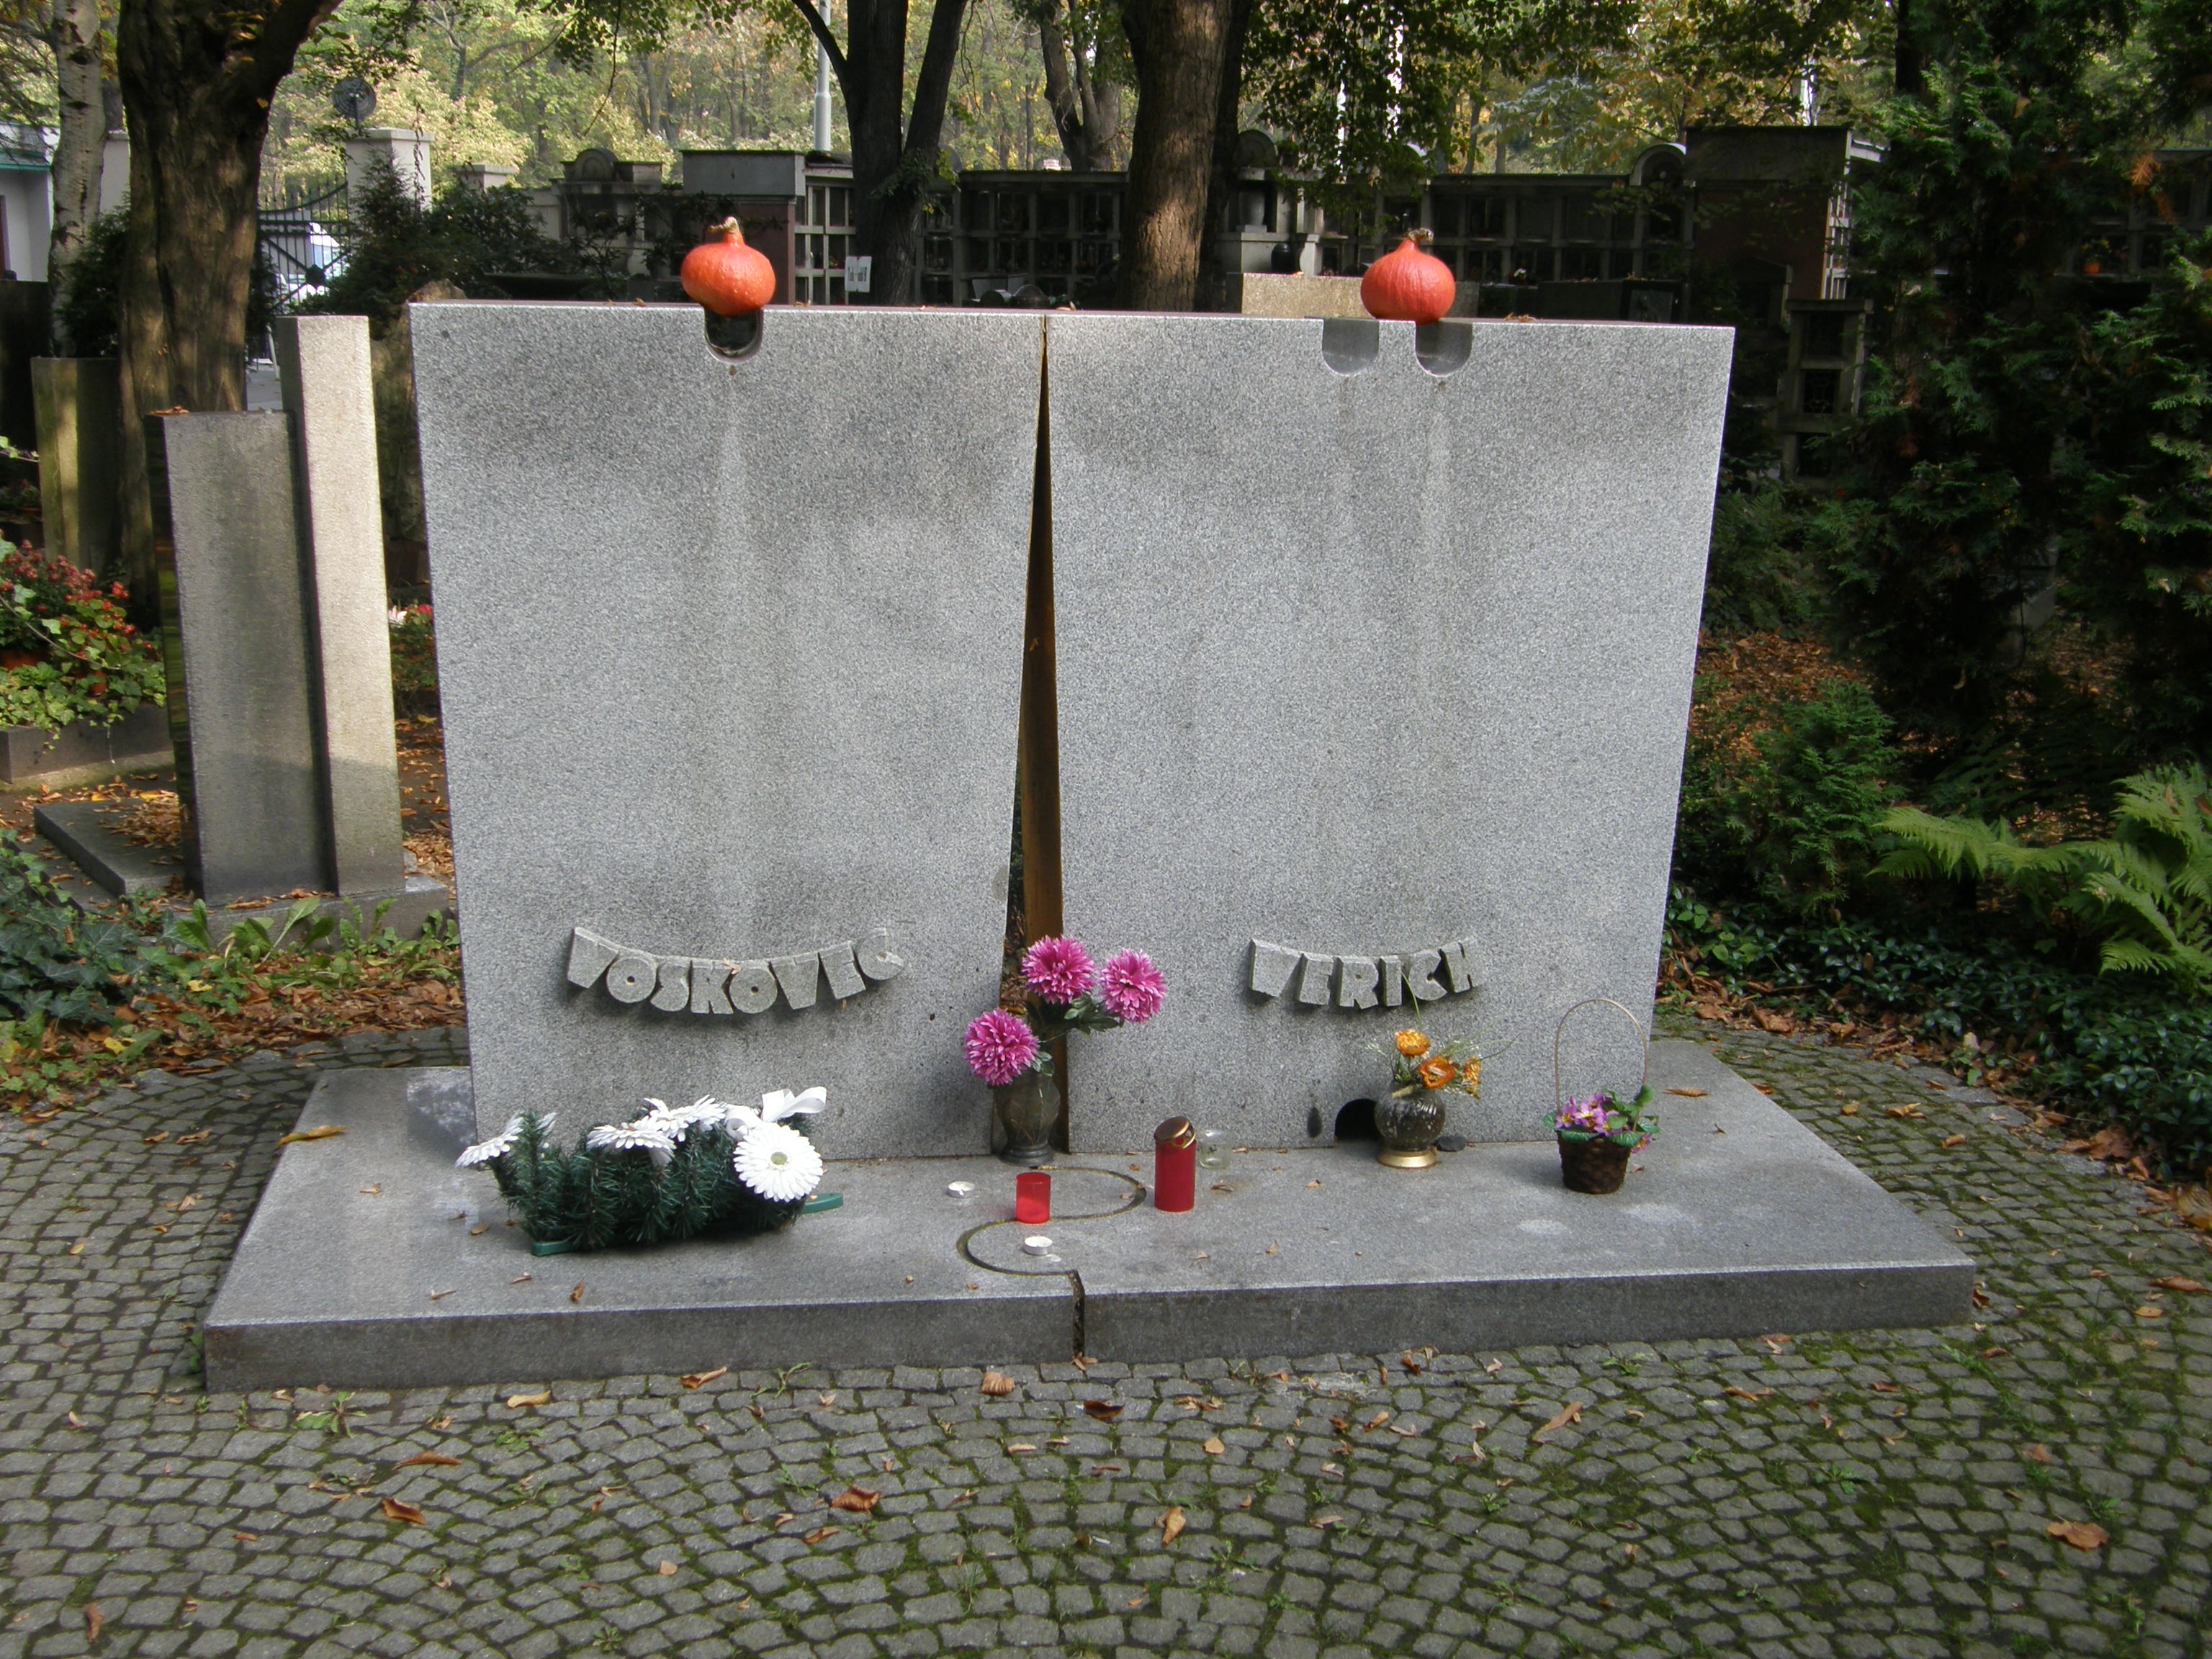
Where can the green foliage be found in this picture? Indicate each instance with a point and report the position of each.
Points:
(394, 246)
(2101, 1045)
(1781, 798)
(57, 963)
(74, 656)
(1764, 573)
(2144, 895)
(87, 309)
(598, 1198)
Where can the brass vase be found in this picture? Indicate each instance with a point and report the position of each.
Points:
(1408, 1125)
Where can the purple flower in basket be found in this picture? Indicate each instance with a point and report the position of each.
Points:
(1588, 1114)
(1000, 1046)
(1131, 988)
(1058, 969)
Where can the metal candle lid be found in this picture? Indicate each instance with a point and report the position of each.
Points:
(1176, 1133)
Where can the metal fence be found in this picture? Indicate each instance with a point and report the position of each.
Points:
(299, 244)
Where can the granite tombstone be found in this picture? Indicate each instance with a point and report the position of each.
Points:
(730, 659)
(1374, 657)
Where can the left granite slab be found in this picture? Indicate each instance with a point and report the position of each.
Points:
(730, 655)
(373, 1262)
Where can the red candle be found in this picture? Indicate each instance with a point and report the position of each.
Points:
(1032, 1197)
(1175, 1166)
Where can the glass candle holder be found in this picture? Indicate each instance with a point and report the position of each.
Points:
(1032, 1197)
(1213, 1150)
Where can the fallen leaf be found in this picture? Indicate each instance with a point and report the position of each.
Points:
(396, 1511)
(1749, 1393)
(2081, 1534)
(373, 1191)
(700, 1379)
(1689, 1094)
(2184, 1287)
(998, 1384)
(2037, 1453)
(93, 1618)
(1885, 1388)
(1628, 1552)
(1995, 1353)
(156, 1139)
(1170, 1525)
(857, 1499)
(1325, 1520)
(577, 1295)
(1270, 1250)
(515, 1402)
(2150, 1313)
(1570, 1413)
(188, 1201)
(75, 1421)
(320, 1131)
(438, 1460)
(1494, 1367)
(820, 1533)
(1212, 1446)
(668, 1570)
(195, 1138)
(1138, 1603)
(1907, 1110)
(480, 1230)
(1374, 1422)
(78, 1249)
(246, 1537)
(1104, 1410)
(1019, 1447)
(1851, 1108)
(1341, 1425)
(1311, 1185)
(1953, 1141)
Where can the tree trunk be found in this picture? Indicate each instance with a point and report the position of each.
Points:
(1221, 179)
(1086, 112)
(893, 160)
(1178, 46)
(198, 76)
(81, 138)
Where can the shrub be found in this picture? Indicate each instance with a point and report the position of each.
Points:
(1781, 797)
(66, 651)
(2144, 895)
(414, 659)
(1761, 573)
(57, 963)
(2111, 1045)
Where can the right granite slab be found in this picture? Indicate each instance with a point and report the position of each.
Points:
(1374, 652)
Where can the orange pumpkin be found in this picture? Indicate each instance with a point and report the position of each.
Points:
(1408, 284)
(727, 278)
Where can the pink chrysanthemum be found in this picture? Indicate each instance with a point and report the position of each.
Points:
(1058, 969)
(1000, 1046)
(1131, 988)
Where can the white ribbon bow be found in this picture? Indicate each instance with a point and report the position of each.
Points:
(778, 1104)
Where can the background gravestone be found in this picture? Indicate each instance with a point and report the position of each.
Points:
(730, 656)
(1357, 659)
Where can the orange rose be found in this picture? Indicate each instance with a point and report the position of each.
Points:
(1412, 1044)
(1437, 1073)
(1470, 1075)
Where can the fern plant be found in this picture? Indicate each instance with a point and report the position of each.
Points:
(2144, 895)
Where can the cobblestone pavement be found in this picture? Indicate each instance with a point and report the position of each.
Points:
(1868, 1493)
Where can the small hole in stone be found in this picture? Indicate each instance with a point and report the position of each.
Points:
(733, 336)
(1356, 1122)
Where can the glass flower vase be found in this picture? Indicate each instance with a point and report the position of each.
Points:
(1407, 1125)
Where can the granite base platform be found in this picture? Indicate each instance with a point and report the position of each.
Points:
(84, 831)
(373, 1262)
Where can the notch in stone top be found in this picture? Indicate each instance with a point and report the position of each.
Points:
(1350, 344)
(1443, 348)
(735, 338)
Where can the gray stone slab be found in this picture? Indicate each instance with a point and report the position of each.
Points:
(729, 659)
(334, 1284)
(323, 365)
(1360, 660)
(85, 751)
(85, 831)
(236, 626)
(1757, 1229)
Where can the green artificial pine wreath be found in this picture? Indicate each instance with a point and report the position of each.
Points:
(668, 1174)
